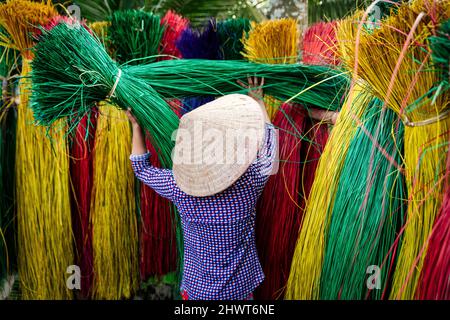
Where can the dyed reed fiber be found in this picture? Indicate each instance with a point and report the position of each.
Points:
(202, 43)
(272, 42)
(278, 212)
(174, 24)
(7, 225)
(313, 85)
(74, 72)
(319, 44)
(44, 235)
(158, 241)
(230, 33)
(44, 228)
(434, 282)
(304, 277)
(62, 91)
(159, 219)
(20, 18)
(7, 157)
(113, 210)
(440, 50)
(395, 60)
(368, 210)
(81, 173)
(135, 34)
(100, 29)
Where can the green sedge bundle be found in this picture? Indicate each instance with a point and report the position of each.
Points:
(396, 61)
(318, 86)
(72, 72)
(135, 34)
(306, 267)
(230, 33)
(368, 210)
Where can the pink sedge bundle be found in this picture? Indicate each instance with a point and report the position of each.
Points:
(175, 25)
(319, 44)
(279, 209)
(158, 246)
(81, 172)
(434, 283)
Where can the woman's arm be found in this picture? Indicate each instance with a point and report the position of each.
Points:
(138, 136)
(160, 180)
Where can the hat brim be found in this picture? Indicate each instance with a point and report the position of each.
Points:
(216, 143)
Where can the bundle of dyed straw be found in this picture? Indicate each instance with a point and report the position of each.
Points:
(200, 43)
(272, 42)
(42, 171)
(395, 60)
(368, 210)
(279, 211)
(304, 277)
(158, 254)
(319, 44)
(113, 210)
(135, 35)
(174, 25)
(72, 72)
(230, 33)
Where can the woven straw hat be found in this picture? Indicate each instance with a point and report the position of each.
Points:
(216, 143)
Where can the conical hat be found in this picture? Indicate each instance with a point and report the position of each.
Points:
(216, 143)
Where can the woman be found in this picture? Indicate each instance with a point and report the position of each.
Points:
(216, 200)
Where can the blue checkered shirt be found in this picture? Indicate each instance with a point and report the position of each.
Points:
(221, 261)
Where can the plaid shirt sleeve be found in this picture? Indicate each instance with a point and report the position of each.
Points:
(263, 166)
(160, 180)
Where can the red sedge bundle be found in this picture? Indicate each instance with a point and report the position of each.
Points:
(175, 25)
(279, 212)
(158, 235)
(319, 42)
(435, 277)
(81, 172)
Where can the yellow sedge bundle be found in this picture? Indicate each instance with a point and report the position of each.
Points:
(20, 19)
(42, 174)
(304, 278)
(274, 42)
(113, 211)
(100, 29)
(395, 59)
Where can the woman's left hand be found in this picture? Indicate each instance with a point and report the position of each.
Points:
(255, 88)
